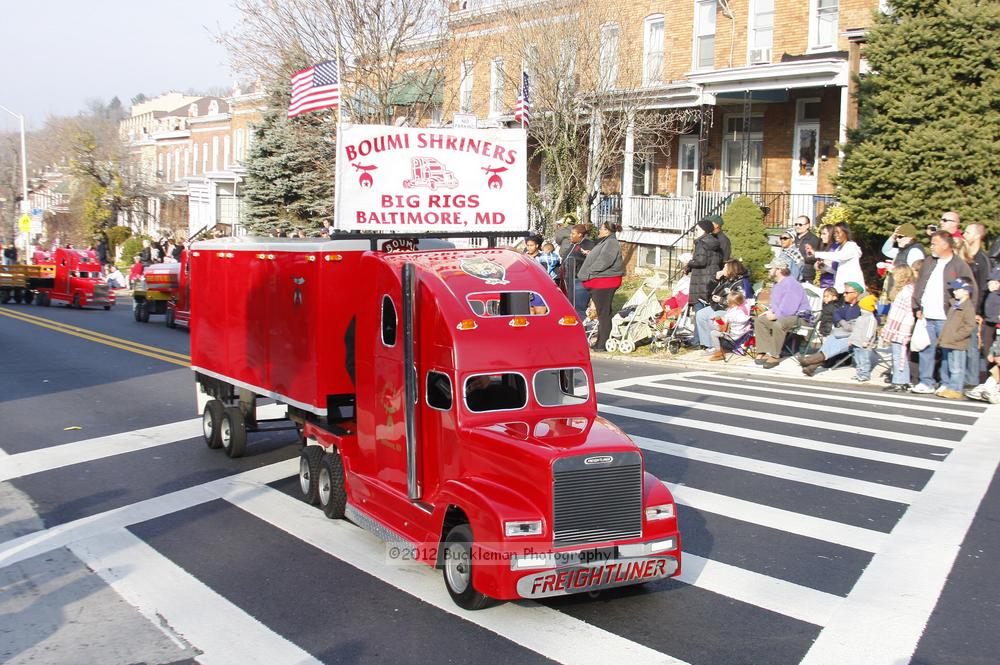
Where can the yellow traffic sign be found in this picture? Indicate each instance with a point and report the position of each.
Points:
(24, 223)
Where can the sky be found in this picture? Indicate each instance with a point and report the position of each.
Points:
(57, 54)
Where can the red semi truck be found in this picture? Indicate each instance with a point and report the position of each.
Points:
(69, 276)
(447, 404)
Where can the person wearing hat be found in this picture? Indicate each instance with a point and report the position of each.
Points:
(954, 339)
(839, 340)
(725, 246)
(704, 264)
(902, 247)
(862, 339)
(790, 253)
(930, 302)
(789, 309)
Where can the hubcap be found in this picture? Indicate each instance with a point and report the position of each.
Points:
(457, 568)
(324, 486)
(224, 432)
(206, 424)
(304, 476)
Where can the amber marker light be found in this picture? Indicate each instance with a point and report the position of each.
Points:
(518, 322)
(568, 321)
(467, 324)
(332, 257)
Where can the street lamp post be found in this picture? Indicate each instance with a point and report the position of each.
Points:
(25, 206)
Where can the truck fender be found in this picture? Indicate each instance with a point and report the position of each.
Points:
(487, 505)
(655, 493)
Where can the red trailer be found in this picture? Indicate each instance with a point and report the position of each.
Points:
(447, 404)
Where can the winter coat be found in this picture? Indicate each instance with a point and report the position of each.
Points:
(954, 269)
(809, 262)
(843, 319)
(604, 260)
(865, 327)
(707, 261)
(725, 246)
(726, 286)
(959, 326)
(848, 260)
(980, 266)
(568, 273)
(991, 309)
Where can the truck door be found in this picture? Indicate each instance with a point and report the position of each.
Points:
(63, 267)
(389, 405)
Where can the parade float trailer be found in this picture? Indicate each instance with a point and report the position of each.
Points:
(163, 289)
(67, 276)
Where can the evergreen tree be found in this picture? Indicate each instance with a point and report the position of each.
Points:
(929, 117)
(743, 222)
(290, 170)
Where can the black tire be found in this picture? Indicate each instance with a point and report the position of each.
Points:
(48, 299)
(76, 302)
(28, 297)
(211, 422)
(456, 565)
(233, 432)
(107, 308)
(18, 296)
(310, 460)
(143, 312)
(4, 297)
(331, 490)
(170, 317)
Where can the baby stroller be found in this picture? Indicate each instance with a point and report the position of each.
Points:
(677, 331)
(635, 323)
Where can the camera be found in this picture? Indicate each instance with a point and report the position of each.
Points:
(932, 228)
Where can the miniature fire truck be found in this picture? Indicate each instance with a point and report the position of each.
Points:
(68, 276)
(163, 289)
(447, 404)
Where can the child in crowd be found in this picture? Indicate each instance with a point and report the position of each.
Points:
(550, 260)
(862, 339)
(899, 328)
(732, 325)
(990, 390)
(954, 339)
(135, 272)
(830, 301)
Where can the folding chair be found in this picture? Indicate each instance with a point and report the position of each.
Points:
(744, 345)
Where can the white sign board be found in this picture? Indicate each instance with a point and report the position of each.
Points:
(412, 180)
(464, 121)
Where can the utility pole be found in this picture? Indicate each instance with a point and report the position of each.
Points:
(25, 206)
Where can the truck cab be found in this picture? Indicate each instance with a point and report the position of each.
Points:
(77, 281)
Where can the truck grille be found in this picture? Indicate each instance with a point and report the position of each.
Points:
(100, 291)
(596, 501)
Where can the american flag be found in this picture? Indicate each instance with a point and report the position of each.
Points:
(522, 112)
(314, 88)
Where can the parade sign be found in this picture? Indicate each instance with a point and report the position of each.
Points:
(411, 180)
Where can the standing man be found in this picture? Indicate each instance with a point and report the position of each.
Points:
(952, 224)
(725, 246)
(902, 246)
(930, 302)
(789, 307)
(579, 247)
(804, 237)
(974, 236)
(561, 236)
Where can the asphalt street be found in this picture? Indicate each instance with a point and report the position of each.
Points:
(820, 524)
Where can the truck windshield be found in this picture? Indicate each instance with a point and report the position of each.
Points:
(495, 392)
(560, 387)
(507, 303)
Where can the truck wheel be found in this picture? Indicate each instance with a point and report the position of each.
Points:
(170, 318)
(43, 299)
(107, 308)
(233, 432)
(18, 296)
(28, 297)
(143, 312)
(76, 301)
(310, 460)
(331, 490)
(211, 423)
(4, 297)
(457, 564)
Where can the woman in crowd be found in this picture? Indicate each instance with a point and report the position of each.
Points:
(847, 255)
(704, 264)
(734, 278)
(601, 274)
(825, 269)
(899, 327)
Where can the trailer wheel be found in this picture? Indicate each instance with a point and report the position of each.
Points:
(310, 460)
(211, 423)
(233, 432)
(331, 491)
(170, 317)
(4, 296)
(43, 299)
(18, 296)
(457, 564)
(142, 312)
(28, 297)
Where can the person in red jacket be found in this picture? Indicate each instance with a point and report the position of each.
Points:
(135, 272)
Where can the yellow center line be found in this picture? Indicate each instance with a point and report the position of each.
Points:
(31, 318)
(99, 340)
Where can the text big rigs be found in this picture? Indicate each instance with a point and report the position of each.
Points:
(447, 402)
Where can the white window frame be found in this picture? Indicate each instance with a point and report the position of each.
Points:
(681, 141)
(609, 54)
(652, 58)
(204, 157)
(754, 136)
(466, 80)
(496, 86)
(699, 34)
(227, 144)
(814, 28)
(215, 153)
(194, 160)
(752, 29)
(239, 147)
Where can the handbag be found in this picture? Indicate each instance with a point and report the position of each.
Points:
(920, 339)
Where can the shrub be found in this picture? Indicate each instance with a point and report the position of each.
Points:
(743, 222)
(131, 247)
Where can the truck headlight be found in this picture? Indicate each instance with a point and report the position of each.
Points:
(661, 512)
(530, 528)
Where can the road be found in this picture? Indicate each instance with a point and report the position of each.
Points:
(820, 524)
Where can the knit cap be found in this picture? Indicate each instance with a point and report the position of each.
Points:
(868, 303)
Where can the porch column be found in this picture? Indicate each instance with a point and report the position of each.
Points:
(592, 170)
(627, 175)
(845, 108)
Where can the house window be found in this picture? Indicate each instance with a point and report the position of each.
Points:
(465, 88)
(177, 164)
(743, 155)
(187, 161)
(704, 34)
(159, 165)
(609, 56)
(240, 146)
(496, 86)
(642, 175)
(194, 161)
(213, 107)
(215, 153)
(652, 50)
(824, 18)
(761, 31)
(204, 157)
(226, 147)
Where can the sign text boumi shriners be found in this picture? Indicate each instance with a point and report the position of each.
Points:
(405, 180)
